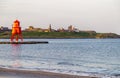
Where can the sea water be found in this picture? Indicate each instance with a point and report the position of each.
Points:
(87, 57)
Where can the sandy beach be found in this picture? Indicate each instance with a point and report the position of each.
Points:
(12, 73)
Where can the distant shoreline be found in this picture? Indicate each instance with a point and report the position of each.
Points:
(64, 38)
(70, 38)
(62, 35)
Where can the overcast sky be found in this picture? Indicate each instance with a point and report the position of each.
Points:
(99, 15)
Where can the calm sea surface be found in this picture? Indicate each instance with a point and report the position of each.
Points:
(91, 57)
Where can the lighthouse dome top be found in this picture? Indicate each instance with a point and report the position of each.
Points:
(16, 21)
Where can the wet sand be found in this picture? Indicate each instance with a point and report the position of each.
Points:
(12, 73)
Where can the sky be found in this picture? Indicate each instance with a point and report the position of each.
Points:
(99, 15)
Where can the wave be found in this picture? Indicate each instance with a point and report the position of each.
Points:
(64, 71)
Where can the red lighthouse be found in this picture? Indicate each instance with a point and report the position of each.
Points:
(16, 31)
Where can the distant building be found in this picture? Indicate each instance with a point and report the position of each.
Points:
(76, 30)
(31, 28)
(70, 28)
(61, 30)
(50, 29)
(4, 28)
(45, 30)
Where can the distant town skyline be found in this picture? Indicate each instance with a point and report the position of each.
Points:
(99, 15)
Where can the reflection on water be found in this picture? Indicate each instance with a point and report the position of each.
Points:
(16, 53)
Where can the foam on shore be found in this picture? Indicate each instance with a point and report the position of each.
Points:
(13, 73)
